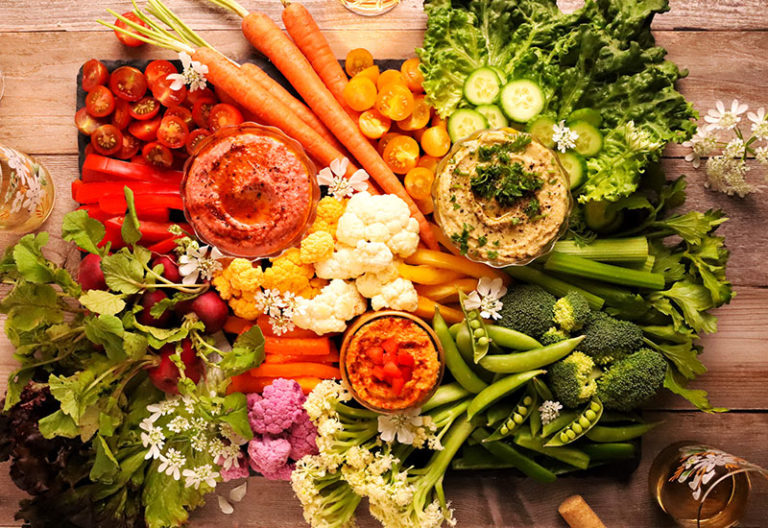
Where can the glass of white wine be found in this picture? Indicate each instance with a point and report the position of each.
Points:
(700, 486)
(26, 192)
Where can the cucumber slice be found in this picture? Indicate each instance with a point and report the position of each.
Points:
(541, 129)
(590, 115)
(576, 167)
(499, 73)
(590, 140)
(464, 122)
(522, 100)
(494, 116)
(482, 87)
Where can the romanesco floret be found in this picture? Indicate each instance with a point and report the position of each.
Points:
(608, 339)
(330, 310)
(552, 336)
(632, 380)
(573, 379)
(527, 308)
(571, 312)
(316, 246)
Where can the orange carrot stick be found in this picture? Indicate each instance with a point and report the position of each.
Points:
(295, 370)
(267, 37)
(267, 330)
(333, 357)
(318, 346)
(237, 325)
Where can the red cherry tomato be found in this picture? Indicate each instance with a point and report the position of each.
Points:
(100, 102)
(205, 93)
(107, 140)
(121, 117)
(127, 39)
(222, 115)
(86, 123)
(130, 147)
(163, 93)
(158, 155)
(201, 111)
(144, 109)
(194, 138)
(145, 130)
(184, 113)
(158, 69)
(173, 132)
(128, 83)
(94, 74)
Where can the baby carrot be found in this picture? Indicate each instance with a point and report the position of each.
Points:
(318, 346)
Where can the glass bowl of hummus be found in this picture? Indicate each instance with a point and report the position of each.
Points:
(501, 197)
(392, 361)
(250, 191)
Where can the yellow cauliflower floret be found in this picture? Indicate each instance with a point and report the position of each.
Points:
(288, 273)
(238, 284)
(329, 210)
(245, 307)
(244, 276)
(221, 282)
(316, 247)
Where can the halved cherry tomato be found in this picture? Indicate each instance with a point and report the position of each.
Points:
(401, 154)
(439, 121)
(127, 39)
(418, 134)
(173, 132)
(428, 162)
(418, 183)
(145, 130)
(371, 73)
(86, 123)
(158, 69)
(162, 92)
(395, 101)
(130, 147)
(419, 118)
(360, 94)
(201, 111)
(412, 74)
(390, 76)
(146, 108)
(357, 60)
(100, 102)
(222, 115)
(128, 83)
(107, 140)
(158, 155)
(193, 97)
(94, 74)
(194, 138)
(184, 113)
(384, 141)
(436, 141)
(372, 124)
(121, 117)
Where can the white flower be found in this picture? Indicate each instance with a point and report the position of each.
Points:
(193, 74)
(281, 309)
(549, 411)
(163, 408)
(151, 437)
(225, 507)
(270, 302)
(238, 493)
(564, 137)
(759, 123)
(734, 148)
(339, 186)
(703, 143)
(200, 475)
(171, 463)
(720, 118)
(728, 175)
(403, 426)
(761, 155)
(178, 424)
(486, 298)
(197, 263)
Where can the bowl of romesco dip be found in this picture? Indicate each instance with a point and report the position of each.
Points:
(392, 361)
(250, 190)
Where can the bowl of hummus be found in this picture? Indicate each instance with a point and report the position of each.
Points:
(250, 190)
(392, 361)
(501, 197)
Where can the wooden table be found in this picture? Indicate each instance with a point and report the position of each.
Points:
(724, 44)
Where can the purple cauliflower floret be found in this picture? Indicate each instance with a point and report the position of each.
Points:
(237, 471)
(302, 436)
(280, 405)
(268, 455)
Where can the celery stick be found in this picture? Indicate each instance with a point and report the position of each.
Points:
(556, 287)
(634, 249)
(591, 269)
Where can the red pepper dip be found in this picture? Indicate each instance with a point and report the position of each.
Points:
(250, 191)
(391, 362)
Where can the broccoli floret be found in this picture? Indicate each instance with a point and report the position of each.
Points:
(608, 339)
(632, 380)
(572, 311)
(573, 379)
(552, 336)
(527, 309)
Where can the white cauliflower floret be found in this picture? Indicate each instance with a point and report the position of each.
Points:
(330, 310)
(369, 284)
(343, 264)
(386, 290)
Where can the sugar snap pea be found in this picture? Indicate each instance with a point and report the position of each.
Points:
(518, 416)
(453, 359)
(464, 344)
(579, 426)
(511, 455)
(477, 457)
(569, 455)
(532, 359)
(454, 328)
(558, 423)
(544, 394)
(498, 390)
(609, 451)
(508, 338)
(498, 411)
(445, 394)
(477, 331)
(604, 433)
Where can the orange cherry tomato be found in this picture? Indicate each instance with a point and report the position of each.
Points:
(412, 74)
(401, 154)
(428, 162)
(372, 124)
(436, 141)
(419, 118)
(439, 121)
(418, 134)
(418, 183)
(385, 139)
(357, 60)
(360, 94)
(390, 76)
(395, 101)
(372, 73)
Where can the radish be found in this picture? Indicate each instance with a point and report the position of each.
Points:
(90, 275)
(170, 269)
(148, 300)
(211, 310)
(165, 375)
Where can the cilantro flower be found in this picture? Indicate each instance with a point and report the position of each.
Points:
(339, 186)
(162, 408)
(281, 309)
(728, 175)
(720, 118)
(486, 298)
(761, 155)
(703, 143)
(734, 148)
(193, 74)
(151, 437)
(549, 411)
(171, 463)
(403, 426)
(759, 123)
(199, 262)
(203, 474)
(564, 137)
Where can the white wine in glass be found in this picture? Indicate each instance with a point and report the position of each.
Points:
(26, 192)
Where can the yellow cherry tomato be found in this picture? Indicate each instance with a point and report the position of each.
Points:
(385, 139)
(439, 121)
(436, 141)
(412, 74)
(395, 101)
(428, 162)
(358, 59)
(360, 94)
(372, 124)
(418, 134)
(418, 183)
(390, 76)
(372, 73)
(419, 118)
(401, 154)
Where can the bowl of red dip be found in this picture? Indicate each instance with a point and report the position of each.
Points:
(392, 361)
(250, 190)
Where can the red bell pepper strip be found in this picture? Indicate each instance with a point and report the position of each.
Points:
(150, 231)
(116, 203)
(95, 212)
(164, 246)
(92, 192)
(101, 168)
